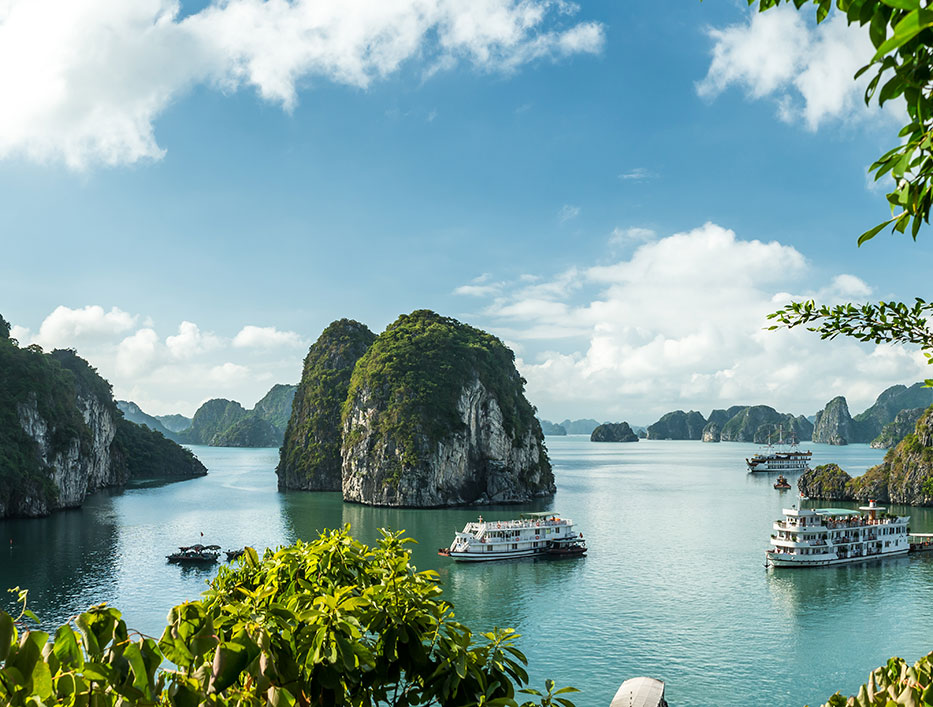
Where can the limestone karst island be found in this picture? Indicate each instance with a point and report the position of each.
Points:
(512, 353)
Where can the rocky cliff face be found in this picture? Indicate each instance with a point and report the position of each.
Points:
(905, 476)
(834, 424)
(761, 423)
(75, 468)
(310, 456)
(678, 425)
(712, 432)
(60, 433)
(436, 416)
(477, 464)
(887, 405)
(613, 432)
(903, 424)
(552, 428)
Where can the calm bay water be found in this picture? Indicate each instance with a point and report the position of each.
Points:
(674, 585)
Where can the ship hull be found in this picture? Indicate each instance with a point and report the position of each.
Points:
(492, 556)
(828, 562)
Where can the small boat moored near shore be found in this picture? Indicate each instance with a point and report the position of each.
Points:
(533, 534)
(781, 483)
(195, 554)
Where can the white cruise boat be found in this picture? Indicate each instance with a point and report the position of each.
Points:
(532, 534)
(779, 461)
(816, 537)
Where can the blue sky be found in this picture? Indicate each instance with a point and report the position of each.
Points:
(531, 184)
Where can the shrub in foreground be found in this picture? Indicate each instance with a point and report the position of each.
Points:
(328, 622)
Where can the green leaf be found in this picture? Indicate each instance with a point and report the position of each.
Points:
(871, 233)
(905, 30)
(7, 634)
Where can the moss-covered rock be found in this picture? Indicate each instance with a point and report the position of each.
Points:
(678, 425)
(613, 432)
(826, 481)
(62, 436)
(905, 476)
(310, 455)
(903, 424)
(436, 415)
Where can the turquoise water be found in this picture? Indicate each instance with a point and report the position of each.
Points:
(674, 585)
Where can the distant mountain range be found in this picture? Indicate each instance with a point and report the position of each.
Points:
(224, 423)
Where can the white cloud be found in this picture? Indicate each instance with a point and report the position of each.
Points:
(228, 372)
(190, 341)
(266, 338)
(568, 212)
(808, 70)
(82, 82)
(67, 328)
(638, 174)
(680, 323)
(138, 353)
(636, 234)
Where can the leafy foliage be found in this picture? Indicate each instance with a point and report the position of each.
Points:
(894, 684)
(900, 31)
(885, 322)
(330, 622)
(311, 450)
(416, 370)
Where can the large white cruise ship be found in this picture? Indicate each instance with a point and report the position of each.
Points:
(532, 534)
(786, 458)
(816, 537)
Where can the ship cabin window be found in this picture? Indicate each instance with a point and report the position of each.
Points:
(514, 546)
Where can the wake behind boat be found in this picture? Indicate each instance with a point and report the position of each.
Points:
(533, 534)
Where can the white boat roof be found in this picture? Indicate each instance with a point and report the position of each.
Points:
(639, 692)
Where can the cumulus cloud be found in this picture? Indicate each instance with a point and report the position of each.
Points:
(808, 70)
(67, 328)
(266, 338)
(189, 341)
(82, 82)
(173, 373)
(681, 323)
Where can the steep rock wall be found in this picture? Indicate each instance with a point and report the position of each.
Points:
(480, 463)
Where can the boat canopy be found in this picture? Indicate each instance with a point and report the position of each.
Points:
(836, 511)
(539, 514)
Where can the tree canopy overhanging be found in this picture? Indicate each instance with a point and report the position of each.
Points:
(901, 32)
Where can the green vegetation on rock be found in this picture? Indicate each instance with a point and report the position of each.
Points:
(905, 476)
(310, 454)
(678, 425)
(330, 622)
(903, 424)
(415, 372)
(613, 432)
(30, 379)
(226, 423)
(552, 428)
(144, 454)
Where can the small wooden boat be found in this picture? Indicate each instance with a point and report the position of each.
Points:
(195, 555)
(234, 554)
(781, 482)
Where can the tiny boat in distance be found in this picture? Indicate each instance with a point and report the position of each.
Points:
(781, 482)
(195, 555)
(533, 534)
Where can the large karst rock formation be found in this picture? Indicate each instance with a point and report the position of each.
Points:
(432, 414)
